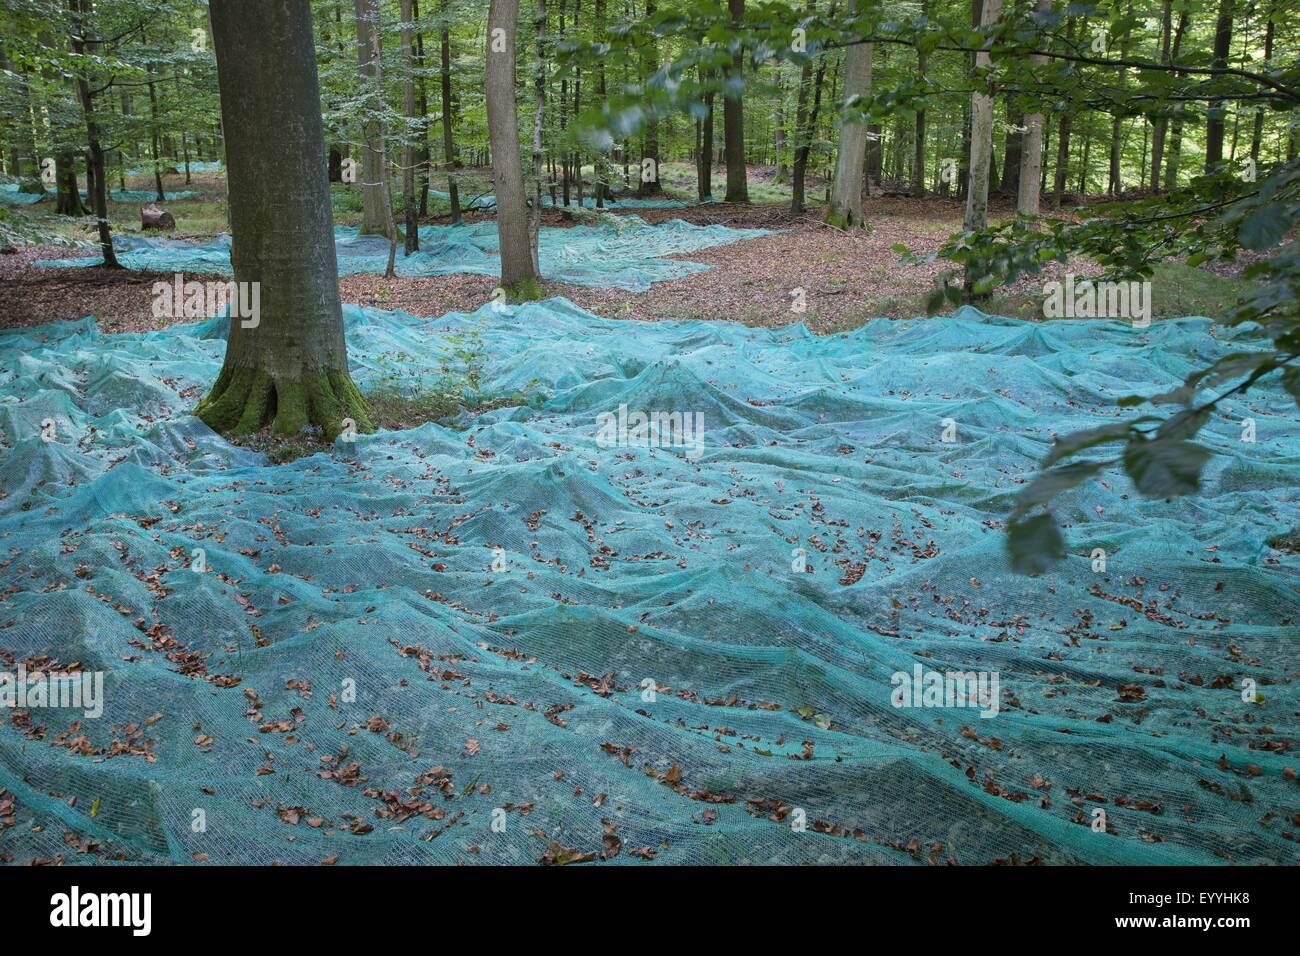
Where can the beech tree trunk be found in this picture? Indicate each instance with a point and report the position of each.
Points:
(374, 197)
(733, 119)
(69, 198)
(1031, 146)
(918, 161)
(290, 368)
(539, 118)
(1257, 134)
(850, 161)
(981, 135)
(704, 156)
(95, 156)
(411, 157)
(1214, 114)
(448, 139)
(1161, 124)
(518, 277)
(649, 64)
(805, 126)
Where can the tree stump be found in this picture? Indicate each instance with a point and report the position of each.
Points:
(151, 217)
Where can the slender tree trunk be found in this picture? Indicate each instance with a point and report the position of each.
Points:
(411, 157)
(288, 368)
(1257, 134)
(918, 160)
(576, 158)
(376, 200)
(153, 136)
(1114, 184)
(1214, 125)
(1173, 163)
(422, 107)
(518, 277)
(448, 142)
(704, 157)
(539, 116)
(806, 125)
(649, 184)
(1031, 146)
(733, 118)
(846, 190)
(778, 132)
(1063, 144)
(602, 159)
(1161, 124)
(95, 164)
(981, 135)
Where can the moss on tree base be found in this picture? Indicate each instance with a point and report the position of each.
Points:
(245, 399)
(525, 290)
(844, 220)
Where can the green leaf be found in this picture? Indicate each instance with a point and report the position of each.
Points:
(1034, 544)
(1266, 226)
(1048, 484)
(1066, 445)
(1165, 467)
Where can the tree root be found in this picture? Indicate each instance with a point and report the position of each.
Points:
(245, 400)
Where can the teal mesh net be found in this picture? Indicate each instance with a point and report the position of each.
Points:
(613, 203)
(626, 254)
(608, 648)
(10, 195)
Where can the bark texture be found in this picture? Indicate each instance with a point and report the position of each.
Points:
(289, 369)
(850, 162)
(733, 118)
(518, 277)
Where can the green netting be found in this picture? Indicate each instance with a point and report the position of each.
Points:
(194, 167)
(350, 678)
(614, 203)
(10, 195)
(623, 254)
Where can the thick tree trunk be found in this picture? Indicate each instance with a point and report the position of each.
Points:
(845, 208)
(376, 201)
(518, 277)
(69, 198)
(289, 368)
(733, 118)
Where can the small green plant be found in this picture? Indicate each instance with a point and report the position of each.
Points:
(405, 398)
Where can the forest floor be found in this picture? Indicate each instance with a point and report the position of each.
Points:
(848, 278)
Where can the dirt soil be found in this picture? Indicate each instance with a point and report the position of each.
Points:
(847, 278)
